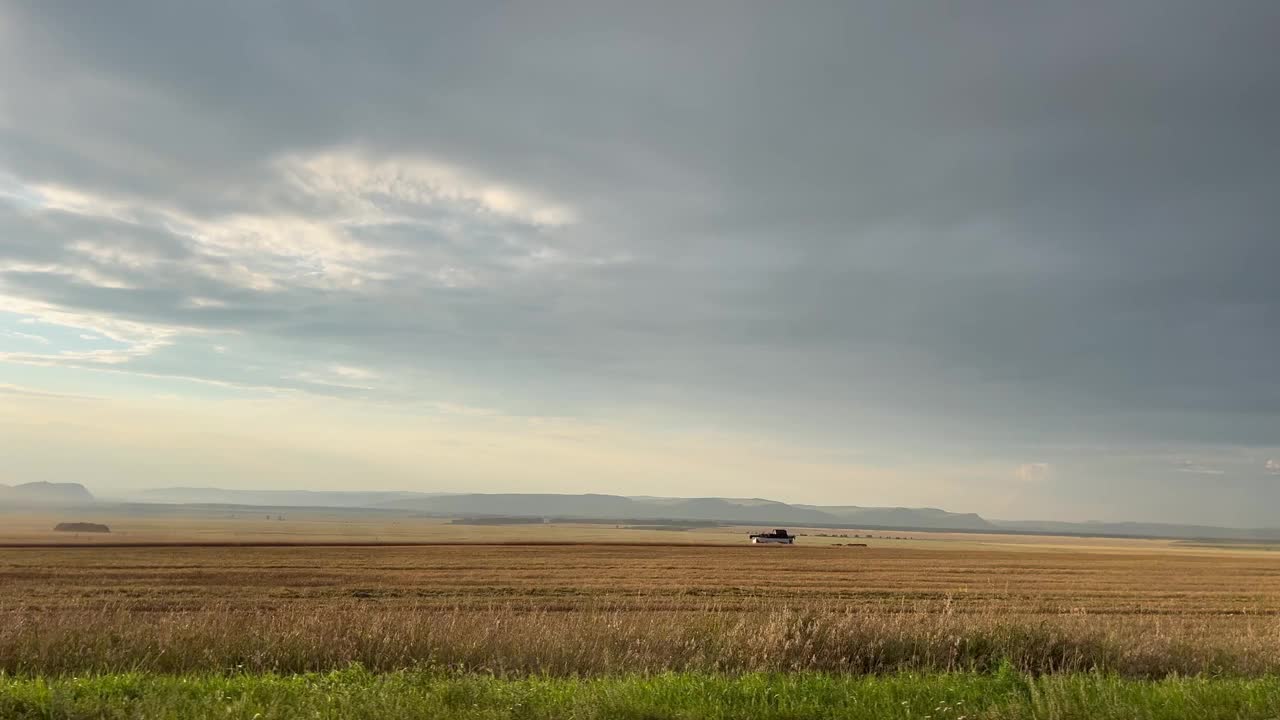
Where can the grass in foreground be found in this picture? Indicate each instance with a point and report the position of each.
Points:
(604, 641)
(356, 693)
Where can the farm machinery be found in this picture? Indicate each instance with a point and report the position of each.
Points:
(777, 537)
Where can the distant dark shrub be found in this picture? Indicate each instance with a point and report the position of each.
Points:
(79, 527)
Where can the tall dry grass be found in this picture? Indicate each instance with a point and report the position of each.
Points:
(595, 610)
(603, 640)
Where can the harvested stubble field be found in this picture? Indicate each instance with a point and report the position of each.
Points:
(597, 610)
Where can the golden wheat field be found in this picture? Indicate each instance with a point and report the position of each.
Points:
(927, 602)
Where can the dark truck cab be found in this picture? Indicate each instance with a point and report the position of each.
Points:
(777, 537)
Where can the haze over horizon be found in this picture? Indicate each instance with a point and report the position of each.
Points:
(997, 258)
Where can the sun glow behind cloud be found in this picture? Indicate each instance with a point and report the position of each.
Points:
(324, 235)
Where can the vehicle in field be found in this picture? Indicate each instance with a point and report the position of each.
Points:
(777, 537)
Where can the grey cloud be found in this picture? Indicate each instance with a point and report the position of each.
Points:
(1029, 222)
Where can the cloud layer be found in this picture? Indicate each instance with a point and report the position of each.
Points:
(959, 236)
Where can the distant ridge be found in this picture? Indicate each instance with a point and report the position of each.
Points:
(45, 493)
(272, 498)
(596, 507)
(617, 507)
(593, 506)
(1139, 529)
(905, 517)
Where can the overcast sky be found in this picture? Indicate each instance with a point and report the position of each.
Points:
(1015, 258)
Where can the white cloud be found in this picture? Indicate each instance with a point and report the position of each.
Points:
(1033, 471)
(204, 302)
(79, 202)
(339, 376)
(1195, 468)
(134, 338)
(339, 221)
(11, 389)
(268, 251)
(81, 275)
(353, 373)
(118, 256)
(125, 332)
(1272, 465)
(362, 185)
(330, 228)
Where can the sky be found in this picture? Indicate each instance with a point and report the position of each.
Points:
(1019, 259)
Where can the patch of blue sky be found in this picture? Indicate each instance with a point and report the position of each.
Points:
(124, 381)
(24, 333)
(22, 196)
(198, 368)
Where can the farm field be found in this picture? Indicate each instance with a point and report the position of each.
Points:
(223, 525)
(582, 609)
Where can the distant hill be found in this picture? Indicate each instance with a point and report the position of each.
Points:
(270, 498)
(731, 510)
(616, 507)
(746, 511)
(930, 518)
(594, 506)
(1136, 529)
(45, 493)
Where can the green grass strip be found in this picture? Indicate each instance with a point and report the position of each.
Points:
(355, 693)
